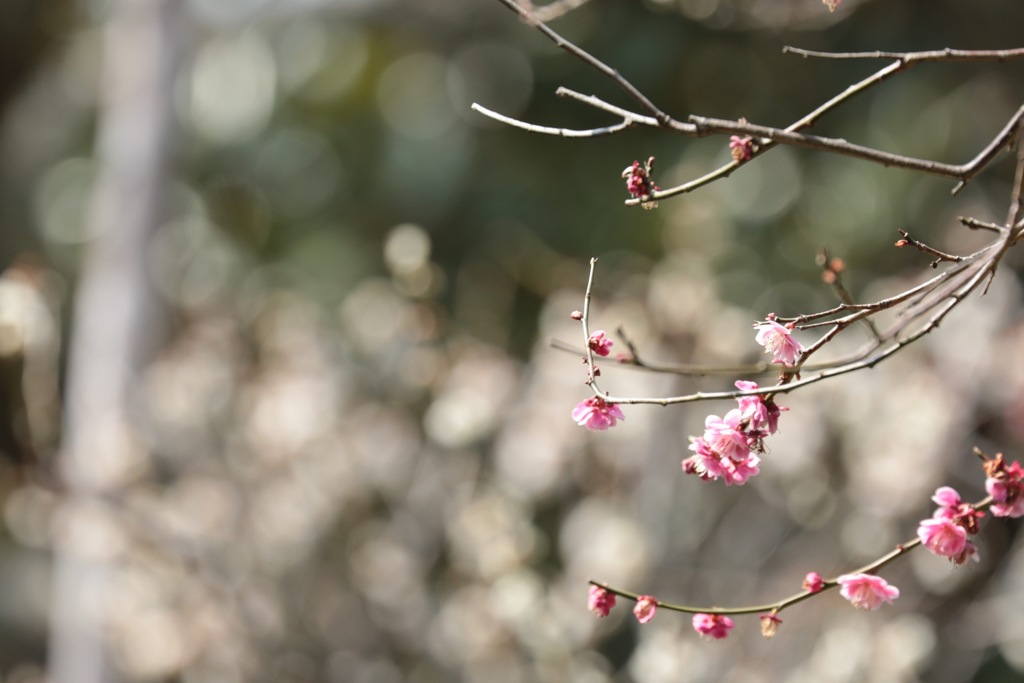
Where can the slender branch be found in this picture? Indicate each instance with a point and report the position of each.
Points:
(559, 132)
(700, 126)
(975, 224)
(1014, 214)
(949, 299)
(946, 55)
(591, 371)
(782, 604)
(588, 59)
(554, 10)
(940, 256)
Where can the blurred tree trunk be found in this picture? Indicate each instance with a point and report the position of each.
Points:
(114, 306)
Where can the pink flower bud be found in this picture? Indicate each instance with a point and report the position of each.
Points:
(600, 601)
(645, 608)
(769, 625)
(813, 582)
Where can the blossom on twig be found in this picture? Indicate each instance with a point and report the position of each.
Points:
(943, 537)
(946, 533)
(741, 147)
(761, 415)
(867, 591)
(596, 414)
(813, 582)
(770, 625)
(600, 601)
(778, 340)
(639, 183)
(1005, 483)
(600, 344)
(645, 608)
(715, 626)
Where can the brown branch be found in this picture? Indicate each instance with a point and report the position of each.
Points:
(940, 256)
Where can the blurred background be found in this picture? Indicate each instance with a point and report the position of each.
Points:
(309, 425)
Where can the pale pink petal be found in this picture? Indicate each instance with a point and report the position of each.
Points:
(866, 591)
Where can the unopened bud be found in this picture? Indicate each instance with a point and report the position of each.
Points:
(769, 625)
(576, 315)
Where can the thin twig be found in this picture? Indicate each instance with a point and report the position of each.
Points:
(549, 130)
(588, 59)
(940, 256)
(945, 55)
(779, 605)
(554, 10)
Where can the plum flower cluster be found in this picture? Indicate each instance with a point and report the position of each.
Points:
(639, 183)
(731, 445)
(946, 533)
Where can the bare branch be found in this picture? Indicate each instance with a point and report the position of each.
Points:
(589, 59)
(560, 132)
(945, 55)
(554, 10)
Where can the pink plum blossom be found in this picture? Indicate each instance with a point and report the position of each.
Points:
(710, 465)
(600, 601)
(725, 436)
(953, 509)
(943, 537)
(832, 4)
(761, 415)
(1006, 486)
(778, 341)
(970, 552)
(740, 472)
(599, 343)
(596, 414)
(741, 148)
(866, 591)
(813, 582)
(705, 462)
(645, 608)
(947, 497)
(639, 183)
(712, 625)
